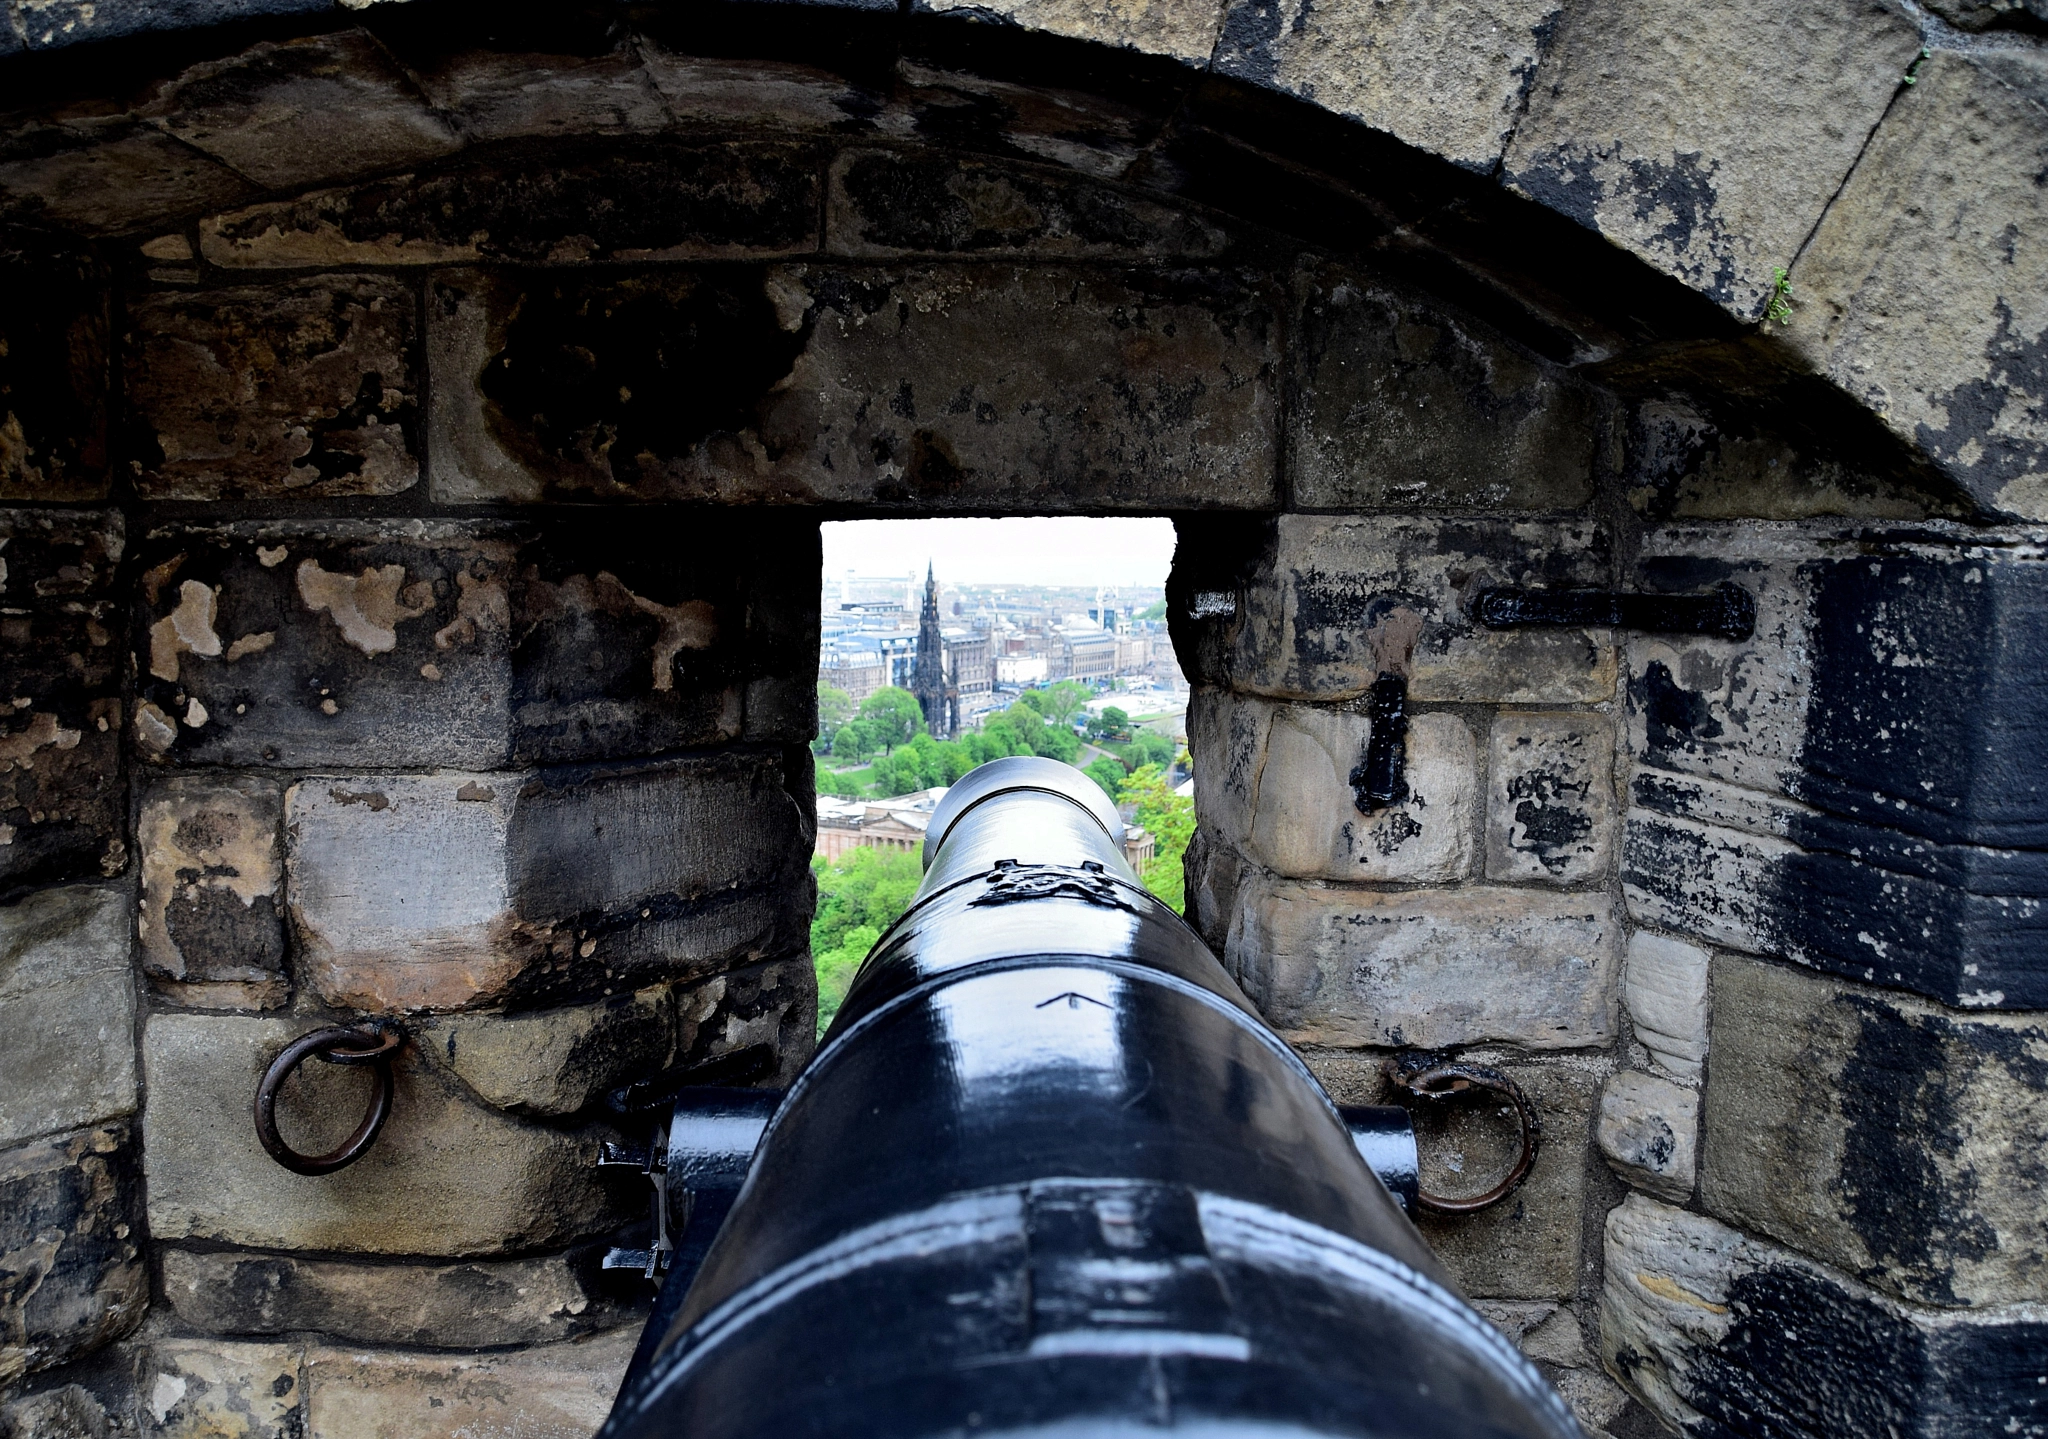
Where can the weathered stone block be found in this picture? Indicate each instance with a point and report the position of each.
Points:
(447, 1175)
(1922, 292)
(294, 112)
(54, 345)
(775, 1003)
(112, 176)
(72, 1276)
(1184, 31)
(639, 199)
(453, 891)
(1649, 1131)
(62, 811)
(70, 1411)
(886, 203)
(1896, 1140)
(481, 1303)
(1338, 601)
(751, 96)
(68, 992)
(1719, 1333)
(212, 887)
(353, 643)
(212, 1389)
(963, 387)
(1637, 129)
(1528, 1246)
(561, 1390)
(303, 388)
(1664, 987)
(1089, 133)
(1428, 969)
(556, 1061)
(1450, 80)
(1400, 406)
(1306, 820)
(499, 94)
(1550, 809)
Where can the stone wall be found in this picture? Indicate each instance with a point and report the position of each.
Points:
(418, 433)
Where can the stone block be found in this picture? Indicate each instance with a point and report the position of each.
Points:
(1451, 80)
(483, 1303)
(1892, 1138)
(638, 199)
(501, 94)
(775, 1003)
(887, 203)
(213, 1389)
(454, 891)
(1664, 988)
(1089, 133)
(305, 388)
(557, 1061)
(352, 644)
(62, 808)
(1212, 872)
(1638, 130)
(563, 1390)
(70, 1411)
(212, 885)
(112, 176)
(743, 95)
(1400, 406)
(1550, 808)
(1338, 601)
(1922, 291)
(1988, 14)
(1428, 968)
(1306, 820)
(55, 339)
(958, 388)
(295, 112)
(1182, 31)
(1649, 1131)
(72, 1275)
(447, 1175)
(68, 992)
(1526, 1248)
(1719, 1333)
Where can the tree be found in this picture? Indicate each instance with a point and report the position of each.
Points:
(894, 716)
(1061, 702)
(860, 895)
(852, 743)
(1111, 724)
(1154, 611)
(1171, 819)
(1107, 772)
(835, 708)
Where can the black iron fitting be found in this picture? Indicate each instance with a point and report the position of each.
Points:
(1726, 612)
(1381, 779)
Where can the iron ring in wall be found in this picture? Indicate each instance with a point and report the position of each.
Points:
(1435, 1077)
(335, 1045)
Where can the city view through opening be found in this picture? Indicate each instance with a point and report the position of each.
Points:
(948, 643)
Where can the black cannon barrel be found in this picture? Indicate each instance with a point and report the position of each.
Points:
(1050, 1173)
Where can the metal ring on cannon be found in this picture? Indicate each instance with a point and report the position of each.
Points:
(335, 1045)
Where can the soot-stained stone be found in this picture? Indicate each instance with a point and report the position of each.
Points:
(672, 630)
(1723, 1335)
(551, 1389)
(295, 112)
(1185, 32)
(213, 887)
(456, 891)
(1899, 1141)
(1450, 81)
(346, 643)
(1649, 1133)
(305, 388)
(54, 346)
(109, 176)
(1400, 405)
(1089, 133)
(1327, 604)
(68, 990)
(1550, 809)
(191, 1387)
(774, 1003)
(634, 199)
(498, 94)
(1636, 129)
(1428, 968)
(61, 813)
(951, 388)
(887, 203)
(72, 1275)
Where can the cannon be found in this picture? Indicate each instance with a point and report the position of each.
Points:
(1050, 1173)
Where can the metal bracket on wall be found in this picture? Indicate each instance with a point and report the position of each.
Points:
(1380, 780)
(1727, 612)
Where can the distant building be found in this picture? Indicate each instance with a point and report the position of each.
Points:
(1081, 653)
(939, 701)
(900, 823)
(1020, 669)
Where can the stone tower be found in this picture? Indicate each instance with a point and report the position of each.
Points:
(928, 681)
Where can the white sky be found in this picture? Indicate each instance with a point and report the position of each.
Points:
(1045, 551)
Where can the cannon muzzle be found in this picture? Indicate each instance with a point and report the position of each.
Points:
(1050, 1173)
